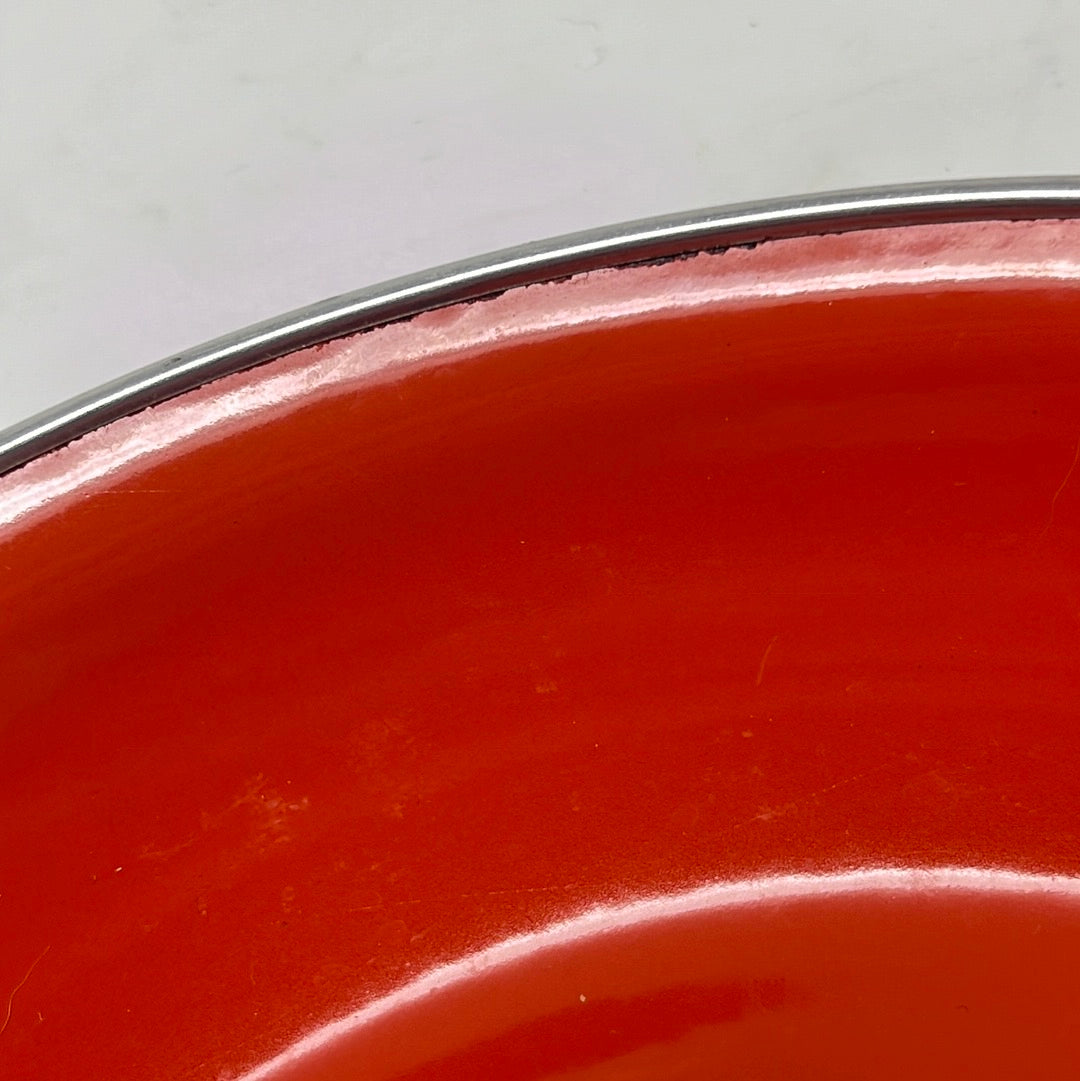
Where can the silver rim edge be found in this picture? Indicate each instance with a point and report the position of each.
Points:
(634, 242)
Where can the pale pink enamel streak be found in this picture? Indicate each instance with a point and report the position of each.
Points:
(610, 918)
(917, 257)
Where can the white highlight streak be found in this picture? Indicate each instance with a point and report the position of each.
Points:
(607, 919)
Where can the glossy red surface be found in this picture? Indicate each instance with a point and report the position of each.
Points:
(343, 670)
(853, 983)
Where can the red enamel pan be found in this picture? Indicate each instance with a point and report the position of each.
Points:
(652, 654)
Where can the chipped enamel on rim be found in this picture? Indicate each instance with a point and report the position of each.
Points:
(926, 257)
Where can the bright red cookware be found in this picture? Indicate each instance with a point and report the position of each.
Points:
(666, 670)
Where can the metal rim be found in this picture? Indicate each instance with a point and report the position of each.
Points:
(655, 239)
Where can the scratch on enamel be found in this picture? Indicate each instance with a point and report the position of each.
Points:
(18, 987)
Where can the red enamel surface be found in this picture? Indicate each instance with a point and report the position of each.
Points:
(347, 668)
(853, 983)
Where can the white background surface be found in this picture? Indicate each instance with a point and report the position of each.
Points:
(175, 169)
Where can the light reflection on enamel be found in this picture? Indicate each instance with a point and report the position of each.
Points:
(728, 895)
